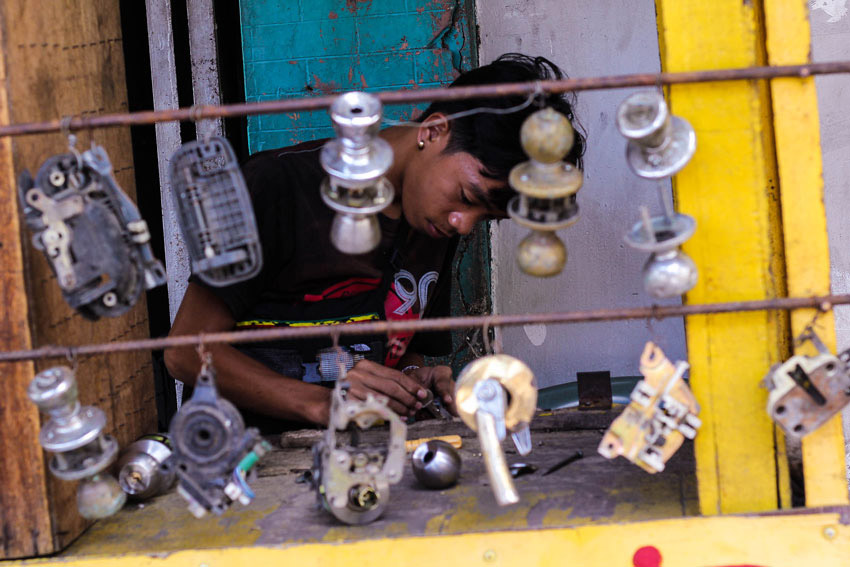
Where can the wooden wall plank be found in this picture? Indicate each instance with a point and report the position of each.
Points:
(64, 58)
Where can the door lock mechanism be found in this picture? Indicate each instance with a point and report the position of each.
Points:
(497, 394)
(806, 391)
(661, 414)
(352, 480)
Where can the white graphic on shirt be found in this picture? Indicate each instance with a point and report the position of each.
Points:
(406, 289)
(836, 9)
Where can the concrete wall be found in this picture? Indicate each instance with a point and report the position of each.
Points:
(584, 39)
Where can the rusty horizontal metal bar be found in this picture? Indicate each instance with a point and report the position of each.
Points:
(824, 303)
(410, 96)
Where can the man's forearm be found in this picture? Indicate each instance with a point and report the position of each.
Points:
(252, 385)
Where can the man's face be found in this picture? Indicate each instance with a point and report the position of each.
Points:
(444, 194)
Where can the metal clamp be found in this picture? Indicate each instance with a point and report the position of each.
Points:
(353, 481)
(660, 145)
(356, 163)
(661, 414)
(482, 392)
(74, 435)
(806, 391)
(547, 188)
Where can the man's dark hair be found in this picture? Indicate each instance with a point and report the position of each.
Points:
(494, 138)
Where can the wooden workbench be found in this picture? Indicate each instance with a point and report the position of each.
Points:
(591, 490)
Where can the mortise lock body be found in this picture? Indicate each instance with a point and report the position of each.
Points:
(662, 413)
(806, 391)
(496, 394)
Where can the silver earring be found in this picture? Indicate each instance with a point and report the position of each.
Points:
(420, 145)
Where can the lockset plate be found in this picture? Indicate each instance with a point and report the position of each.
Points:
(805, 391)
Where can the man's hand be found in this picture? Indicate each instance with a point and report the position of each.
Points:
(404, 393)
(439, 379)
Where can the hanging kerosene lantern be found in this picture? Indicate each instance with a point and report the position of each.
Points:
(547, 189)
(660, 145)
(356, 162)
(668, 272)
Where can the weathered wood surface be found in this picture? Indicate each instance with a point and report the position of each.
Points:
(591, 490)
(60, 58)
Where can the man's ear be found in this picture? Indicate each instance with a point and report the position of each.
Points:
(434, 128)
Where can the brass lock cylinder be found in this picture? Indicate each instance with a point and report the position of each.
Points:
(547, 188)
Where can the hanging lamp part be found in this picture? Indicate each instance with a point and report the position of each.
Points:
(90, 232)
(352, 480)
(496, 394)
(660, 145)
(74, 435)
(806, 391)
(668, 272)
(215, 212)
(661, 414)
(356, 162)
(546, 187)
(214, 454)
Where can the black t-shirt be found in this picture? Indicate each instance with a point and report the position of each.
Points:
(306, 281)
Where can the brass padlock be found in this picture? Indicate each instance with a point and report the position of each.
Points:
(547, 188)
(496, 394)
(661, 414)
(806, 391)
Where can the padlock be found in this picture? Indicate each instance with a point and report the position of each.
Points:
(356, 162)
(90, 232)
(74, 434)
(660, 145)
(806, 391)
(215, 213)
(668, 272)
(661, 414)
(213, 452)
(352, 480)
(546, 187)
(496, 394)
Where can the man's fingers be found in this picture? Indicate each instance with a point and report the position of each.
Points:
(359, 392)
(445, 386)
(409, 384)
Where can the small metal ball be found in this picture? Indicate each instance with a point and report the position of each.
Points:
(547, 136)
(436, 464)
(99, 496)
(355, 234)
(669, 274)
(541, 254)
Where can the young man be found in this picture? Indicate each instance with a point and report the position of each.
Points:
(448, 176)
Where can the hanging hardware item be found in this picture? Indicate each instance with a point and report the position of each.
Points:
(356, 162)
(496, 394)
(660, 145)
(436, 464)
(215, 212)
(352, 481)
(668, 272)
(213, 452)
(90, 232)
(806, 391)
(74, 434)
(547, 189)
(661, 414)
(139, 471)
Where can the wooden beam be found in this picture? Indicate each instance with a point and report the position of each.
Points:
(797, 128)
(730, 188)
